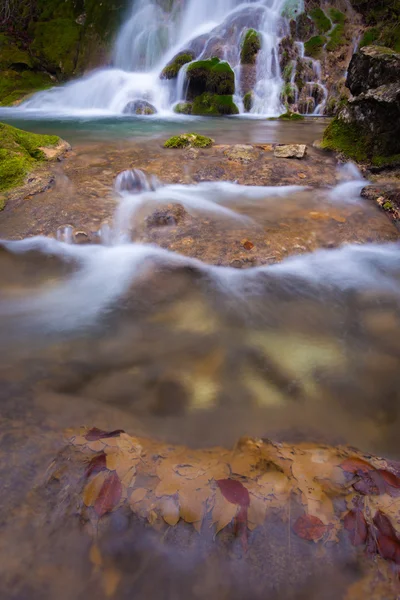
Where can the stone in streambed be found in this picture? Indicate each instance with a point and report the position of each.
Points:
(290, 151)
(242, 153)
(139, 107)
(172, 214)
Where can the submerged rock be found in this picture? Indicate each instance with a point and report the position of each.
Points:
(241, 152)
(172, 214)
(290, 151)
(139, 107)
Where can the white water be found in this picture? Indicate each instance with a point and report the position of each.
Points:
(151, 37)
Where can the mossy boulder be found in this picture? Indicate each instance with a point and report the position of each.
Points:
(212, 76)
(314, 45)
(171, 70)
(213, 105)
(21, 152)
(302, 28)
(248, 101)
(186, 140)
(56, 44)
(183, 108)
(139, 107)
(322, 22)
(251, 45)
(348, 139)
(291, 116)
(372, 67)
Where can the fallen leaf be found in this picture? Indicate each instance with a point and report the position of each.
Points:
(356, 465)
(189, 471)
(247, 245)
(223, 512)
(391, 479)
(92, 489)
(97, 464)
(310, 528)
(234, 491)
(167, 488)
(192, 503)
(137, 495)
(109, 495)
(95, 434)
(170, 511)
(355, 523)
(384, 526)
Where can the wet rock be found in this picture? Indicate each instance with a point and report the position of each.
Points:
(372, 67)
(306, 105)
(172, 214)
(248, 78)
(171, 70)
(242, 153)
(139, 107)
(56, 152)
(134, 181)
(212, 76)
(290, 151)
(251, 45)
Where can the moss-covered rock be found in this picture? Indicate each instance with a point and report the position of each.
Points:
(248, 101)
(213, 105)
(321, 21)
(291, 116)
(56, 44)
(302, 28)
(171, 70)
(314, 46)
(337, 35)
(185, 140)
(348, 139)
(183, 108)
(139, 107)
(212, 76)
(251, 45)
(20, 152)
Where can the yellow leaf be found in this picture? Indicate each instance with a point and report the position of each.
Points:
(95, 556)
(111, 580)
(96, 446)
(129, 478)
(192, 503)
(223, 512)
(152, 517)
(167, 488)
(189, 471)
(169, 510)
(137, 495)
(92, 490)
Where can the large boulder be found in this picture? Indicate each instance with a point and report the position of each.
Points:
(139, 107)
(372, 67)
(212, 76)
(171, 70)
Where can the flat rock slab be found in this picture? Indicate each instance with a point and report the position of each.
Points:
(290, 151)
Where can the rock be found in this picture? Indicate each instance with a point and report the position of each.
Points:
(172, 214)
(139, 107)
(134, 181)
(241, 152)
(212, 76)
(290, 151)
(186, 140)
(250, 47)
(183, 108)
(171, 70)
(248, 101)
(248, 78)
(213, 105)
(306, 105)
(57, 151)
(372, 67)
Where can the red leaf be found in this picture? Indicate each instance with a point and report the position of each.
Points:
(389, 548)
(109, 496)
(384, 526)
(310, 528)
(356, 465)
(391, 479)
(371, 483)
(357, 527)
(95, 434)
(97, 464)
(234, 491)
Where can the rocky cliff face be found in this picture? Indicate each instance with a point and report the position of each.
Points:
(372, 116)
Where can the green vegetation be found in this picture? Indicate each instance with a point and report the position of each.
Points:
(288, 72)
(250, 47)
(20, 151)
(321, 21)
(383, 17)
(14, 85)
(248, 100)
(336, 38)
(388, 206)
(370, 36)
(314, 45)
(185, 140)
(291, 116)
(386, 161)
(347, 139)
(212, 105)
(336, 16)
(172, 69)
(288, 94)
(56, 42)
(211, 75)
(183, 108)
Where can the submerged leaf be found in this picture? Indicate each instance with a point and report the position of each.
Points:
(109, 495)
(355, 523)
(97, 464)
(234, 491)
(310, 528)
(92, 489)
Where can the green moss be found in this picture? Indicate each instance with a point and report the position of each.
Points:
(288, 72)
(183, 108)
(248, 101)
(291, 116)
(336, 38)
(172, 69)
(19, 152)
(336, 15)
(212, 75)
(250, 47)
(314, 45)
(56, 43)
(386, 161)
(288, 95)
(347, 139)
(189, 139)
(370, 36)
(213, 105)
(321, 21)
(15, 85)
(388, 206)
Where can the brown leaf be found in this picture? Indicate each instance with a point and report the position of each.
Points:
(389, 548)
(95, 434)
(355, 523)
(234, 491)
(109, 495)
(384, 526)
(356, 465)
(97, 464)
(167, 488)
(390, 479)
(310, 528)
(247, 245)
(95, 556)
(92, 490)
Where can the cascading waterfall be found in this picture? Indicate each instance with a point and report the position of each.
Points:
(154, 33)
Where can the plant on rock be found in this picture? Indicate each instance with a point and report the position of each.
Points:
(185, 140)
(250, 47)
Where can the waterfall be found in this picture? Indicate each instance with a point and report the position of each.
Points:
(154, 32)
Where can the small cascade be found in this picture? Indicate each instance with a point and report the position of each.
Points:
(134, 181)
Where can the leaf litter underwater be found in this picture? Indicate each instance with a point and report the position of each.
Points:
(187, 358)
